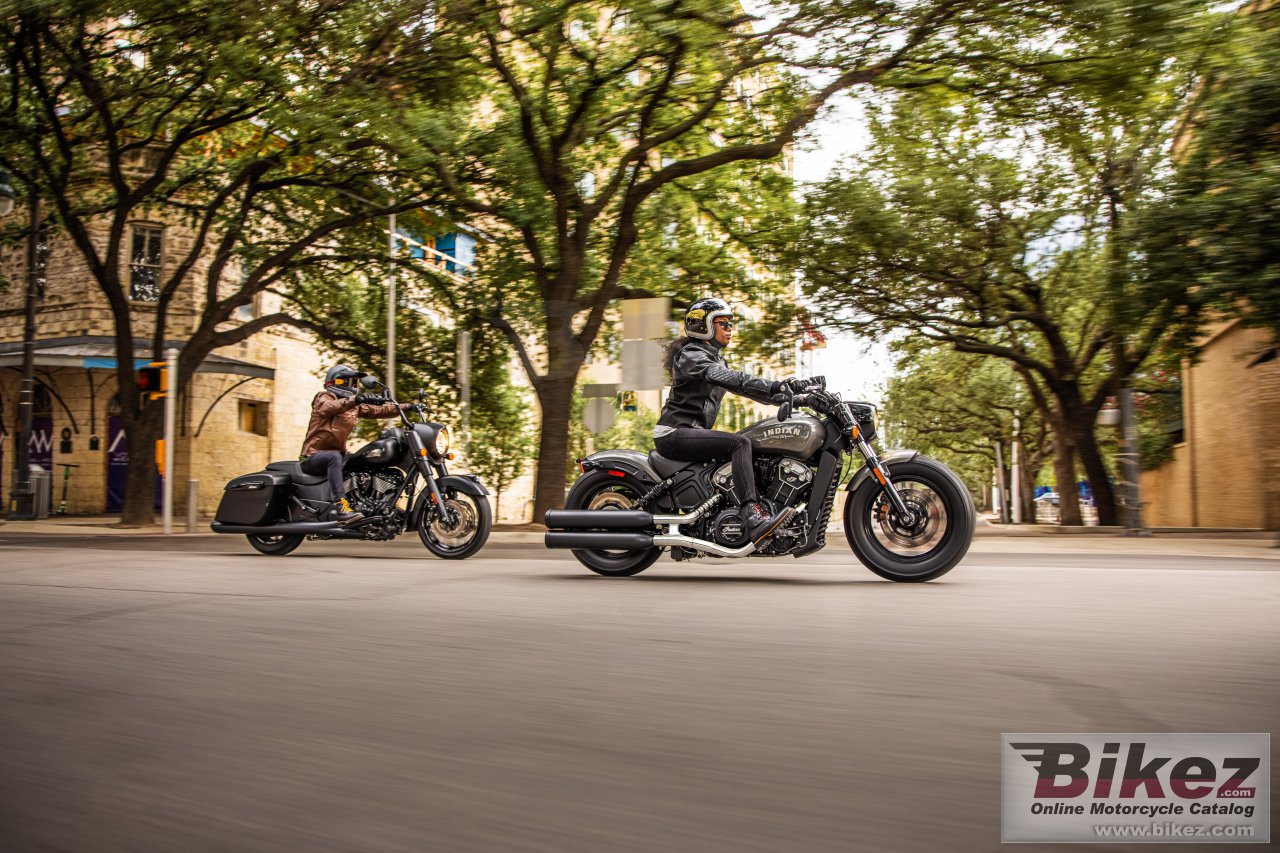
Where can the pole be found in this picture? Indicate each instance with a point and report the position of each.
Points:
(21, 496)
(391, 303)
(170, 415)
(1016, 487)
(193, 497)
(464, 380)
(1130, 464)
(1001, 505)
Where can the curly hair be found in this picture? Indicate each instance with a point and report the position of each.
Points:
(673, 350)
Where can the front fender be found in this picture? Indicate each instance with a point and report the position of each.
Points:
(887, 458)
(468, 484)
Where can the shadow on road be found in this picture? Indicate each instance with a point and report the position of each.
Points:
(737, 579)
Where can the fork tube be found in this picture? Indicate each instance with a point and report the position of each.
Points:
(881, 473)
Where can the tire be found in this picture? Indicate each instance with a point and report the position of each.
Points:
(923, 553)
(599, 490)
(467, 536)
(275, 546)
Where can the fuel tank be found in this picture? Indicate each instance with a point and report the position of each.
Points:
(799, 436)
(385, 450)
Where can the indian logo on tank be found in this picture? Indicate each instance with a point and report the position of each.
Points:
(787, 431)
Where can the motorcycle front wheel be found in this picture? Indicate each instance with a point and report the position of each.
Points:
(461, 530)
(942, 528)
(599, 490)
(274, 546)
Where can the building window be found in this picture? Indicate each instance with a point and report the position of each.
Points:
(144, 264)
(254, 416)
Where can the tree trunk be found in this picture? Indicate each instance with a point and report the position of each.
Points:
(1064, 472)
(1095, 469)
(141, 432)
(556, 399)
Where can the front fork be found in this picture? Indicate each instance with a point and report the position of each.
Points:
(881, 473)
(423, 459)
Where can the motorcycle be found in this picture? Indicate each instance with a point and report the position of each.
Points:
(907, 517)
(277, 508)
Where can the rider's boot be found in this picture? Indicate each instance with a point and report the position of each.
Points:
(760, 522)
(343, 513)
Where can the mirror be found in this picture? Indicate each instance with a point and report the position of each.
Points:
(784, 411)
(422, 395)
(369, 381)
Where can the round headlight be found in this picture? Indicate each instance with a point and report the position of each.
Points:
(443, 441)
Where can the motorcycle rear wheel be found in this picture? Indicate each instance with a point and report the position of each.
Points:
(274, 546)
(930, 548)
(599, 490)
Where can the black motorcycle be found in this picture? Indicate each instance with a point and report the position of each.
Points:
(279, 507)
(907, 517)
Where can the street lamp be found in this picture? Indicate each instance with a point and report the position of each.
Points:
(21, 497)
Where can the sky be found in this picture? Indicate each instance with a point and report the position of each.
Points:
(856, 367)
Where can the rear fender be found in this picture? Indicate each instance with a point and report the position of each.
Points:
(631, 462)
(887, 458)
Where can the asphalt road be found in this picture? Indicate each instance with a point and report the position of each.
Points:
(188, 695)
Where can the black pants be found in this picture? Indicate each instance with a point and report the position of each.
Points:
(703, 445)
(327, 462)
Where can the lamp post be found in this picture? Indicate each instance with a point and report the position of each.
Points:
(21, 496)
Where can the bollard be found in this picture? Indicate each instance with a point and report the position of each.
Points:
(193, 494)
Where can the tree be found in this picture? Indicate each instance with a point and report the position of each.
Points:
(501, 444)
(1217, 230)
(243, 122)
(595, 115)
(999, 226)
(955, 406)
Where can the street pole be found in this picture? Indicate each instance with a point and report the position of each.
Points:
(170, 416)
(1016, 453)
(1001, 505)
(464, 382)
(1130, 464)
(391, 303)
(21, 496)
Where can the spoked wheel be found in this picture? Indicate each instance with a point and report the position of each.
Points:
(599, 490)
(460, 529)
(931, 542)
(274, 546)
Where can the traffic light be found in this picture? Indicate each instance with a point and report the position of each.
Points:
(153, 379)
(629, 401)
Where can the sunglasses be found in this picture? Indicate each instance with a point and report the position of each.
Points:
(724, 324)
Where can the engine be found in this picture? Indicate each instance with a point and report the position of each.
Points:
(782, 482)
(371, 492)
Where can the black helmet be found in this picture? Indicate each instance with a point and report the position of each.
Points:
(342, 380)
(699, 320)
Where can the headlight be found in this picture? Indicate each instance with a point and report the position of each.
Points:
(443, 441)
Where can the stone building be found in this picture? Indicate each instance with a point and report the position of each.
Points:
(248, 404)
(1225, 472)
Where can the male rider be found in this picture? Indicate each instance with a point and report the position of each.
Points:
(333, 416)
(699, 379)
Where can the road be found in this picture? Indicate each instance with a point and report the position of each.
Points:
(187, 695)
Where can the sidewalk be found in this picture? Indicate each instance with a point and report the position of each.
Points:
(108, 525)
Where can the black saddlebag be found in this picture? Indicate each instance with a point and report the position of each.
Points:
(254, 498)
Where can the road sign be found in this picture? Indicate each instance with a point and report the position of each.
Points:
(599, 414)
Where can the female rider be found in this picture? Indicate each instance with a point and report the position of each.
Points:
(699, 380)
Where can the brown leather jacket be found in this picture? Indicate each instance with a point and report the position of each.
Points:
(333, 418)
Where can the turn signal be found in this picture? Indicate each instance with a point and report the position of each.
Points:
(449, 457)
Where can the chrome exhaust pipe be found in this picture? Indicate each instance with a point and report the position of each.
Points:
(273, 529)
(715, 549)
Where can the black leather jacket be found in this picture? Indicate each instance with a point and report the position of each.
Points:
(699, 383)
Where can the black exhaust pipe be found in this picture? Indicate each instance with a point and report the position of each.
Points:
(594, 540)
(273, 529)
(611, 519)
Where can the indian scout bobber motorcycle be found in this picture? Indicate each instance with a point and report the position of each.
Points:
(907, 517)
(279, 507)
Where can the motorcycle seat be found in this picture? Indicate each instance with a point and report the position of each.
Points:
(294, 470)
(665, 467)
